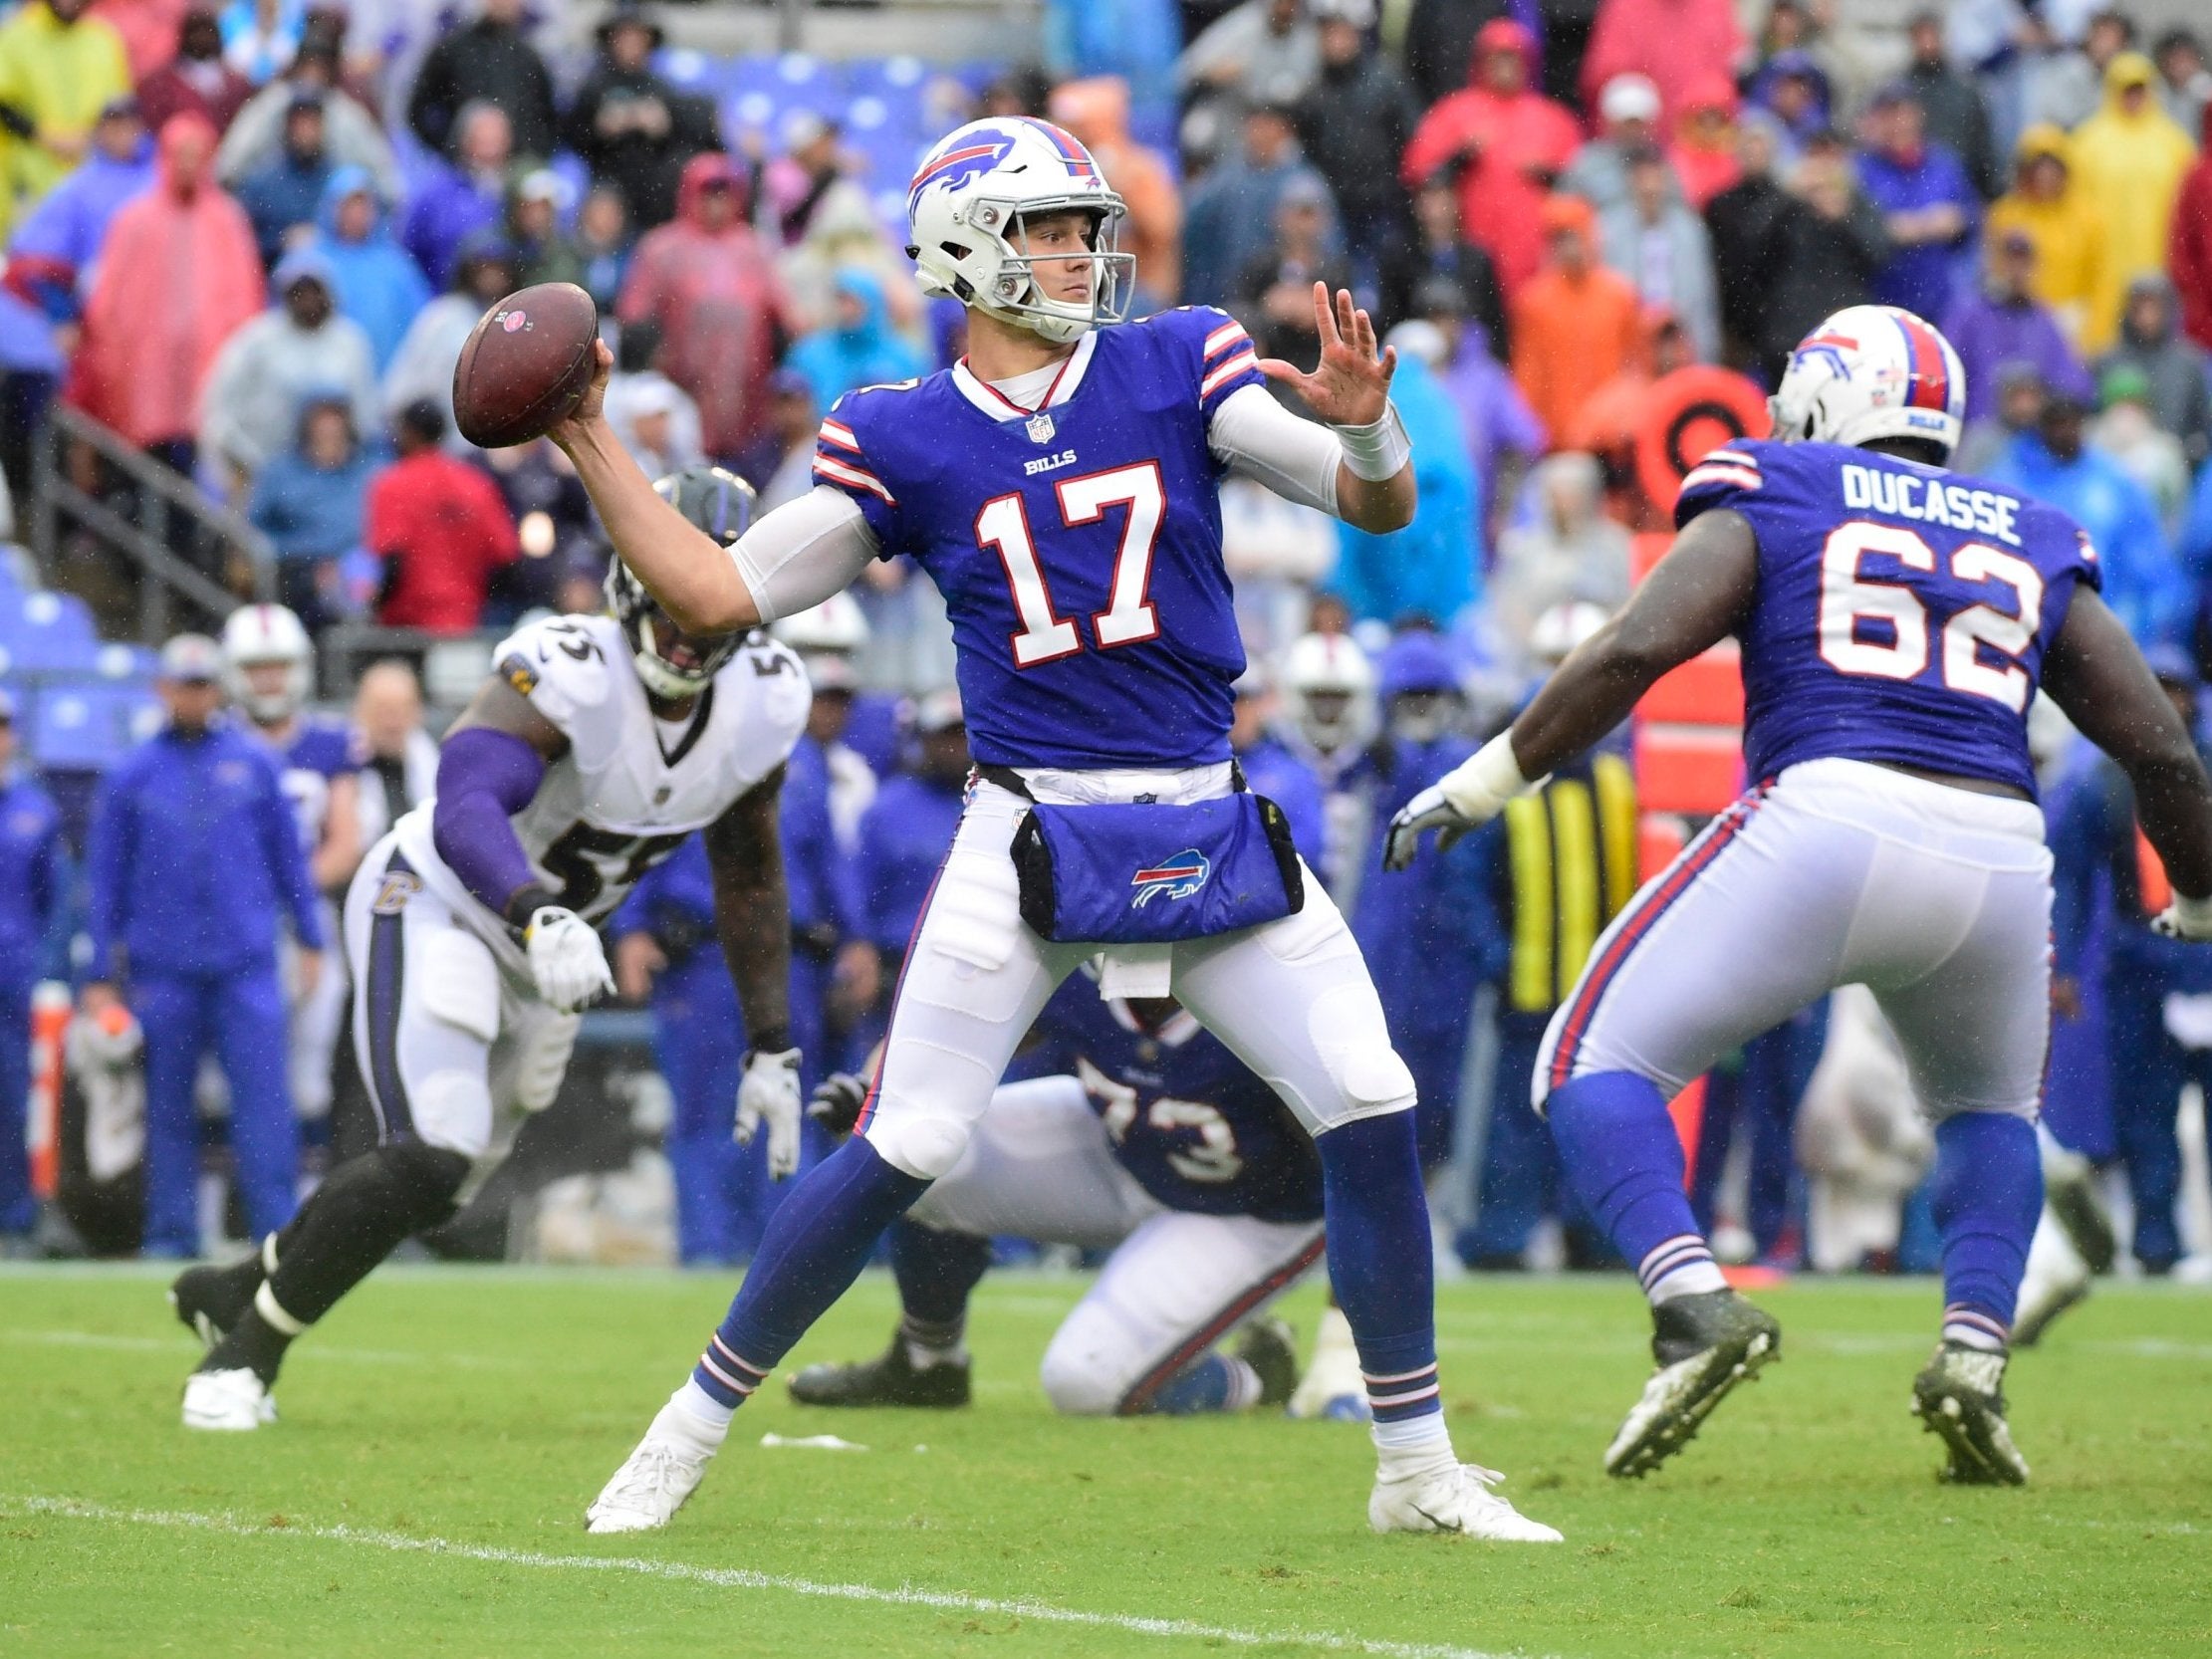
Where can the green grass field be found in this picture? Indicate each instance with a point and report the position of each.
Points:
(445, 1430)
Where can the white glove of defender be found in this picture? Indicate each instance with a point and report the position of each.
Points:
(1464, 798)
(2186, 918)
(769, 1094)
(566, 959)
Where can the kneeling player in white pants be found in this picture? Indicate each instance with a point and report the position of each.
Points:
(1158, 1145)
(596, 746)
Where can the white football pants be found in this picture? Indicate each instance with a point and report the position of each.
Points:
(1840, 872)
(445, 1036)
(1039, 1165)
(315, 1020)
(1290, 999)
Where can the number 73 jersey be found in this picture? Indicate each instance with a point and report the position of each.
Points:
(630, 787)
(1078, 545)
(1902, 612)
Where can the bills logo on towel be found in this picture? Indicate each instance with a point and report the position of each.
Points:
(1176, 877)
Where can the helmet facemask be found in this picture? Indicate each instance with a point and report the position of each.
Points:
(1015, 294)
(670, 663)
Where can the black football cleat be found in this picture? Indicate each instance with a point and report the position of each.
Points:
(1959, 1396)
(209, 1301)
(890, 1379)
(1704, 1345)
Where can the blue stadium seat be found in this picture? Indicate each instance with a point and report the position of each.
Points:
(45, 633)
(88, 725)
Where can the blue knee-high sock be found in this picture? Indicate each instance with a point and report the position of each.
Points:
(1382, 1262)
(937, 1272)
(814, 1246)
(1621, 1155)
(1988, 1192)
(1211, 1382)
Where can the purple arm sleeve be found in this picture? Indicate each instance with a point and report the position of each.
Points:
(485, 778)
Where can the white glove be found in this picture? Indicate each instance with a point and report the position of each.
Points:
(769, 1094)
(1464, 798)
(2186, 918)
(566, 959)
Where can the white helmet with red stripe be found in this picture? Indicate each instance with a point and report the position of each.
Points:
(257, 636)
(1868, 372)
(965, 210)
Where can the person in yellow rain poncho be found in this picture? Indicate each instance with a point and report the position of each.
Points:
(2075, 273)
(58, 70)
(2129, 158)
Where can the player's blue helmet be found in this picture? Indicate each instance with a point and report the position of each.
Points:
(964, 214)
(1867, 372)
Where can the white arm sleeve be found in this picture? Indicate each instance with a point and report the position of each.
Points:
(1255, 436)
(803, 552)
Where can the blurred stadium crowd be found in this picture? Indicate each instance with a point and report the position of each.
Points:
(249, 238)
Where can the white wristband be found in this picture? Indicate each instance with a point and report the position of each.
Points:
(1479, 789)
(1378, 450)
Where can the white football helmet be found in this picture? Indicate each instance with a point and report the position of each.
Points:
(678, 665)
(827, 639)
(1329, 688)
(964, 212)
(1867, 372)
(254, 636)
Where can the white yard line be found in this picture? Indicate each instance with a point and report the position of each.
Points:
(739, 1578)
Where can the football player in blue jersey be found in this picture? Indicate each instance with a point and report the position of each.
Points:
(1137, 1133)
(1895, 620)
(1059, 484)
(268, 673)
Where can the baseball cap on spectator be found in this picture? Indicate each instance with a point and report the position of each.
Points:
(1890, 94)
(938, 711)
(123, 107)
(303, 97)
(2129, 69)
(543, 185)
(305, 264)
(2124, 382)
(1628, 97)
(1711, 92)
(1563, 213)
(1359, 13)
(1795, 63)
(192, 659)
(1418, 338)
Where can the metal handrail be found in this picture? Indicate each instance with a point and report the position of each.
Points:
(163, 572)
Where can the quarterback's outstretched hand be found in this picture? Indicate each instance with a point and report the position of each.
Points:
(769, 1094)
(566, 959)
(1464, 798)
(2186, 918)
(1351, 384)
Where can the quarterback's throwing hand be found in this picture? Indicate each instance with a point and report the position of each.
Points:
(769, 1094)
(566, 959)
(1351, 386)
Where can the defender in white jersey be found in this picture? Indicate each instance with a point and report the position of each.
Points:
(596, 746)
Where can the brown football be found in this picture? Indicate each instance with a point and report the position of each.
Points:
(525, 365)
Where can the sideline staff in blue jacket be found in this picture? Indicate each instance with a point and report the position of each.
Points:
(34, 890)
(194, 856)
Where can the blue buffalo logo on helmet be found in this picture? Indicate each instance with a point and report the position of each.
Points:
(1176, 877)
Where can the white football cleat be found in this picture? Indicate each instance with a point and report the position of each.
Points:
(650, 1486)
(1452, 1497)
(1333, 1387)
(227, 1401)
(2056, 1279)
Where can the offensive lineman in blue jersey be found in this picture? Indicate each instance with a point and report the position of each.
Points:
(1895, 621)
(1137, 1132)
(1059, 486)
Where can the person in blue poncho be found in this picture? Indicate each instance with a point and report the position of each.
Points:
(1433, 567)
(375, 280)
(860, 349)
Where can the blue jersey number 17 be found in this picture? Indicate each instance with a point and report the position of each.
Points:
(1128, 619)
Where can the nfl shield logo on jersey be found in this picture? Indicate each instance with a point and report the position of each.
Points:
(1041, 426)
(1176, 877)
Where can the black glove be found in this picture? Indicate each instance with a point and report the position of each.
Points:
(837, 1101)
